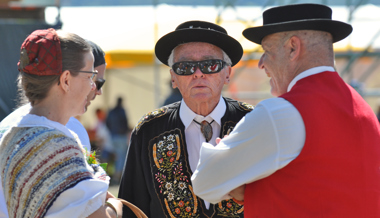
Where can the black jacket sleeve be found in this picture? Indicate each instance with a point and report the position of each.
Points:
(133, 183)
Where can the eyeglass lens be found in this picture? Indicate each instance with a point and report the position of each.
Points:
(93, 73)
(206, 67)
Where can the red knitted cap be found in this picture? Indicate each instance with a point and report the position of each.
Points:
(41, 54)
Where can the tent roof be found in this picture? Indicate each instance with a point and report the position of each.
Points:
(131, 31)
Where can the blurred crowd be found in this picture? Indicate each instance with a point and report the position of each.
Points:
(109, 137)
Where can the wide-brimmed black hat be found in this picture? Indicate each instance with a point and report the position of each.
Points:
(198, 31)
(298, 17)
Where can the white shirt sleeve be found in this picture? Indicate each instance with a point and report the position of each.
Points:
(76, 126)
(265, 140)
(80, 201)
(3, 205)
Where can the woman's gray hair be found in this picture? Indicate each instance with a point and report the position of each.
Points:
(171, 57)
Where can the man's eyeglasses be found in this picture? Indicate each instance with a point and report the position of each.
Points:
(93, 73)
(206, 67)
(99, 83)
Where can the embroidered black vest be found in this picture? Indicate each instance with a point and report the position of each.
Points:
(159, 140)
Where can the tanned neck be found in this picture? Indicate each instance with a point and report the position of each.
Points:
(203, 108)
(50, 111)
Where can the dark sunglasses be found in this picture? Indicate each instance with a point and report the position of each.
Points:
(206, 67)
(99, 83)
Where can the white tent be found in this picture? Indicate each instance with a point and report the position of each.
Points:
(137, 28)
(128, 35)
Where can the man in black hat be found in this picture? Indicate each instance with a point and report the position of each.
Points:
(164, 147)
(314, 150)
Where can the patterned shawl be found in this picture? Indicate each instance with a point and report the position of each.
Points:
(37, 164)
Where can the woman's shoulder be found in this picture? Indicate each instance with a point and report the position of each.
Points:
(38, 132)
(39, 139)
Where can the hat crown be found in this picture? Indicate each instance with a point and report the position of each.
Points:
(201, 25)
(41, 53)
(296, 12)
(298, 17)
(198, 31)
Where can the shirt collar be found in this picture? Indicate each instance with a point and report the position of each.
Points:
(309, 72)
(187, 115)
(31, 120)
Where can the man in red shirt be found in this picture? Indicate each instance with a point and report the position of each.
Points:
(314, 150)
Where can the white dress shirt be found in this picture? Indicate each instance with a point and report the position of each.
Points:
(264, 141)
(194, 137)
(76, 126)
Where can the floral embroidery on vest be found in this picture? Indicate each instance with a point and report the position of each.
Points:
(171, 177)
(151, 116)
(228, 127)
(230, 208)
(246, 106)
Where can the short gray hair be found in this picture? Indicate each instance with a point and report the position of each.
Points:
(171, 57)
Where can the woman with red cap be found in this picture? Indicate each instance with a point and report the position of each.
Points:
(44, 171)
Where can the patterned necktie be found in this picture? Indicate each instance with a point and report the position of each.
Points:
(206, 129)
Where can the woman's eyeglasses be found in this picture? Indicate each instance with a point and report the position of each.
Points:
(93, 73)
(99, 83)
(92, 76)
(206, 67)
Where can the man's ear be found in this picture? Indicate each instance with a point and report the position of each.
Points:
(295, 47)
(65, 81)
(173, 75)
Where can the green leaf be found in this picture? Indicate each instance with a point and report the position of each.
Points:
(104, 166)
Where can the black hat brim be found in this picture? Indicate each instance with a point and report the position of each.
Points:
(338, 30)
(168, 42)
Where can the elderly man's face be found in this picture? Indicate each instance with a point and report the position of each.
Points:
(199, 87)
(275, 63)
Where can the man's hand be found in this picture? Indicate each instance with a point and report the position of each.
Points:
(109, 195)
(238, 193)
(217, 140)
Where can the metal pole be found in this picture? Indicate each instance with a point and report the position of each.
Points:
(157, 81)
